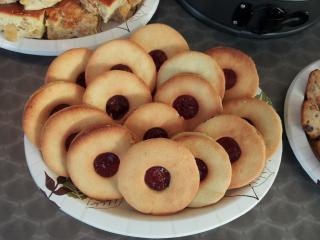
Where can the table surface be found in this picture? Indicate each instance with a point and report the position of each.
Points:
(290, 210)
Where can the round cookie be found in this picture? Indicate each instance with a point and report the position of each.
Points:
(262, 116)
(243, 143)
(93, 160)
(118, 93)
(193, 62)
(61, 128)
(160, 41)
(47, 100)
(69, 66)
(241, 76)
(194, 98)
(152, 176)
(153, 120)
(122, 55)
(213, 164)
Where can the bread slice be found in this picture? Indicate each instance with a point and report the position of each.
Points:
(126, 11)
(78, 22)
(15, 22)
(38, 4)
(310, 119)
(313, 86)
(104, 8)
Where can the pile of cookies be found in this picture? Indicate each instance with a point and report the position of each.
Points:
(150, 120)
(310, 112)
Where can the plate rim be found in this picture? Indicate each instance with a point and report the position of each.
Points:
(202, 226)
(41, 47)
(291, 131)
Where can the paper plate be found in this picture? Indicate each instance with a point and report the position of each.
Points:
(113, 31)
(292, 119)
(117, 217)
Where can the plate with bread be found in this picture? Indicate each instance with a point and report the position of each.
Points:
(50, 27)
(302, 119)
(144, 137)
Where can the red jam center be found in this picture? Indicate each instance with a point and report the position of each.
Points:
(231, 147)
(117, 106)
(81, 80)
(69, 140)
(106, 164)
(230, 77)
(58, 108)
(159, 57)
(121, 67)
(187, 106)
(157, 178)
(203, 169)
(155, 133)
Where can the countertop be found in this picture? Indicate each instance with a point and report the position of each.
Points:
(290, 210)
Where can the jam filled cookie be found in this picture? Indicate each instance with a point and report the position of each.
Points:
(93, 160)
(160, 41)
(154, 120)
(241, 76)
(69, 66)
(242, 142)
(193, 62)
(47, 100)
(158, 176)
(194, 98)
(262, 116)
(213, 164)
(122, 55)
(118, 93)
(61, 128)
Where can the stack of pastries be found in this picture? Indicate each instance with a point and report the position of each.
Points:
(151, 121)
(60, 19)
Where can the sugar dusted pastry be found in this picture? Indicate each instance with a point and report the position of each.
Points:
(104, 8)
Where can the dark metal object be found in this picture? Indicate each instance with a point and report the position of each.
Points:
(258, 19)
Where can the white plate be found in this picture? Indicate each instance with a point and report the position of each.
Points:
(118, 217)
(292, 119)
(55, 47)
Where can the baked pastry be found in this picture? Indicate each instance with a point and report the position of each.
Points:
(122, 55)
(38, 4)
(313, 86)
(160, 41)
(61, 128)
(193, 62)
(262, 116)
(47, 100)
(158, 176)
(193, 97)
(213, 164)
(69, 66)
(104, 8)
(243, 143)
(241, 76)
(15, 22)
(118, 93)
(78, 22)
(310, 119)
(93, 160)
(153, 120)
(126, 11)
